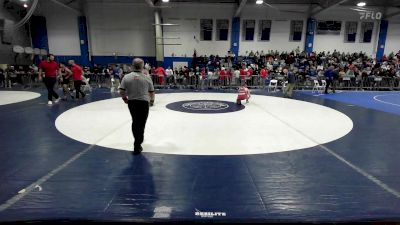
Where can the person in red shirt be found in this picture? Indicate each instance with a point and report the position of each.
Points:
(77, 73)
(49, 68)
(243, 74)
(250, 72)
(203, 73)
(222, 76)
(160, 72)
(263, 75)
(229, 75)
(203, 77)
(250, 75)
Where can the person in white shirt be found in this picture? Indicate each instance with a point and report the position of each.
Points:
(147, 67)
(236, 76)
(231, 58)
(210, 76)
(170, 75)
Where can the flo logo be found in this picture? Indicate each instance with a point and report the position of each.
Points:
(370, 15)
(209, 214)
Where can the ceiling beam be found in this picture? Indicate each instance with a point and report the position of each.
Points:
(311, 8)
(239, 9)
(67, 7)
(150, 3)
(328, 7)
(70, 2)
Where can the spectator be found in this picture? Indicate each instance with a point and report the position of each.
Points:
(263, 75)
(222, 76)
(12, 76)
(170, 75)
(116, 76)
(160, 72)
(236, 74)
(2, 78)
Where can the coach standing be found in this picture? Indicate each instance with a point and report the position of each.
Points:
(77, 73)
(329, 79)
(291, 79)
(50, 70)
(137, 91)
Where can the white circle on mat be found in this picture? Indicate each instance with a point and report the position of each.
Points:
(266, 125)
(9, 97)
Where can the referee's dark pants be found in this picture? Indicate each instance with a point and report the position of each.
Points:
(330, 83)
(139, 111)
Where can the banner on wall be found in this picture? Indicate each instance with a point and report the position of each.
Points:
(180, 64)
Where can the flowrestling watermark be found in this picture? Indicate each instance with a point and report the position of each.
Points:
(370, 15)
(209, 214)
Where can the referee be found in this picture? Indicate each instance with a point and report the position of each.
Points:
(137, 91)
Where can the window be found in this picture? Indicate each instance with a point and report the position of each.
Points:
(222, 30)
(206, 29)
(329, 27)
(351, 32)
(248, 29)
(366, 32)
(296, 28)
(264, 30)
(6, 33)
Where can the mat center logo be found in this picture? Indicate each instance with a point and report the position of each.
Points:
(206, 105)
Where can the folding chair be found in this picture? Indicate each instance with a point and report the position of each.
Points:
(377, 81)
(273, 84)
(346, 81)
(317, 87)
(86, 87)
(323, 86)
(284, 85)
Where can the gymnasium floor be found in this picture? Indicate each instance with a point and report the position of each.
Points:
(316, 158)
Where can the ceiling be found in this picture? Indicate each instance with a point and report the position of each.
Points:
(319, 4)
(322, 3)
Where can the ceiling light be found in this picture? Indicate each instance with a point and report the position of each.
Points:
(259, 2)
(25, 5)
(165, 0)
(361, 4)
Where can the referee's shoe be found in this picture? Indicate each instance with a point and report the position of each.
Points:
(137, 151)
